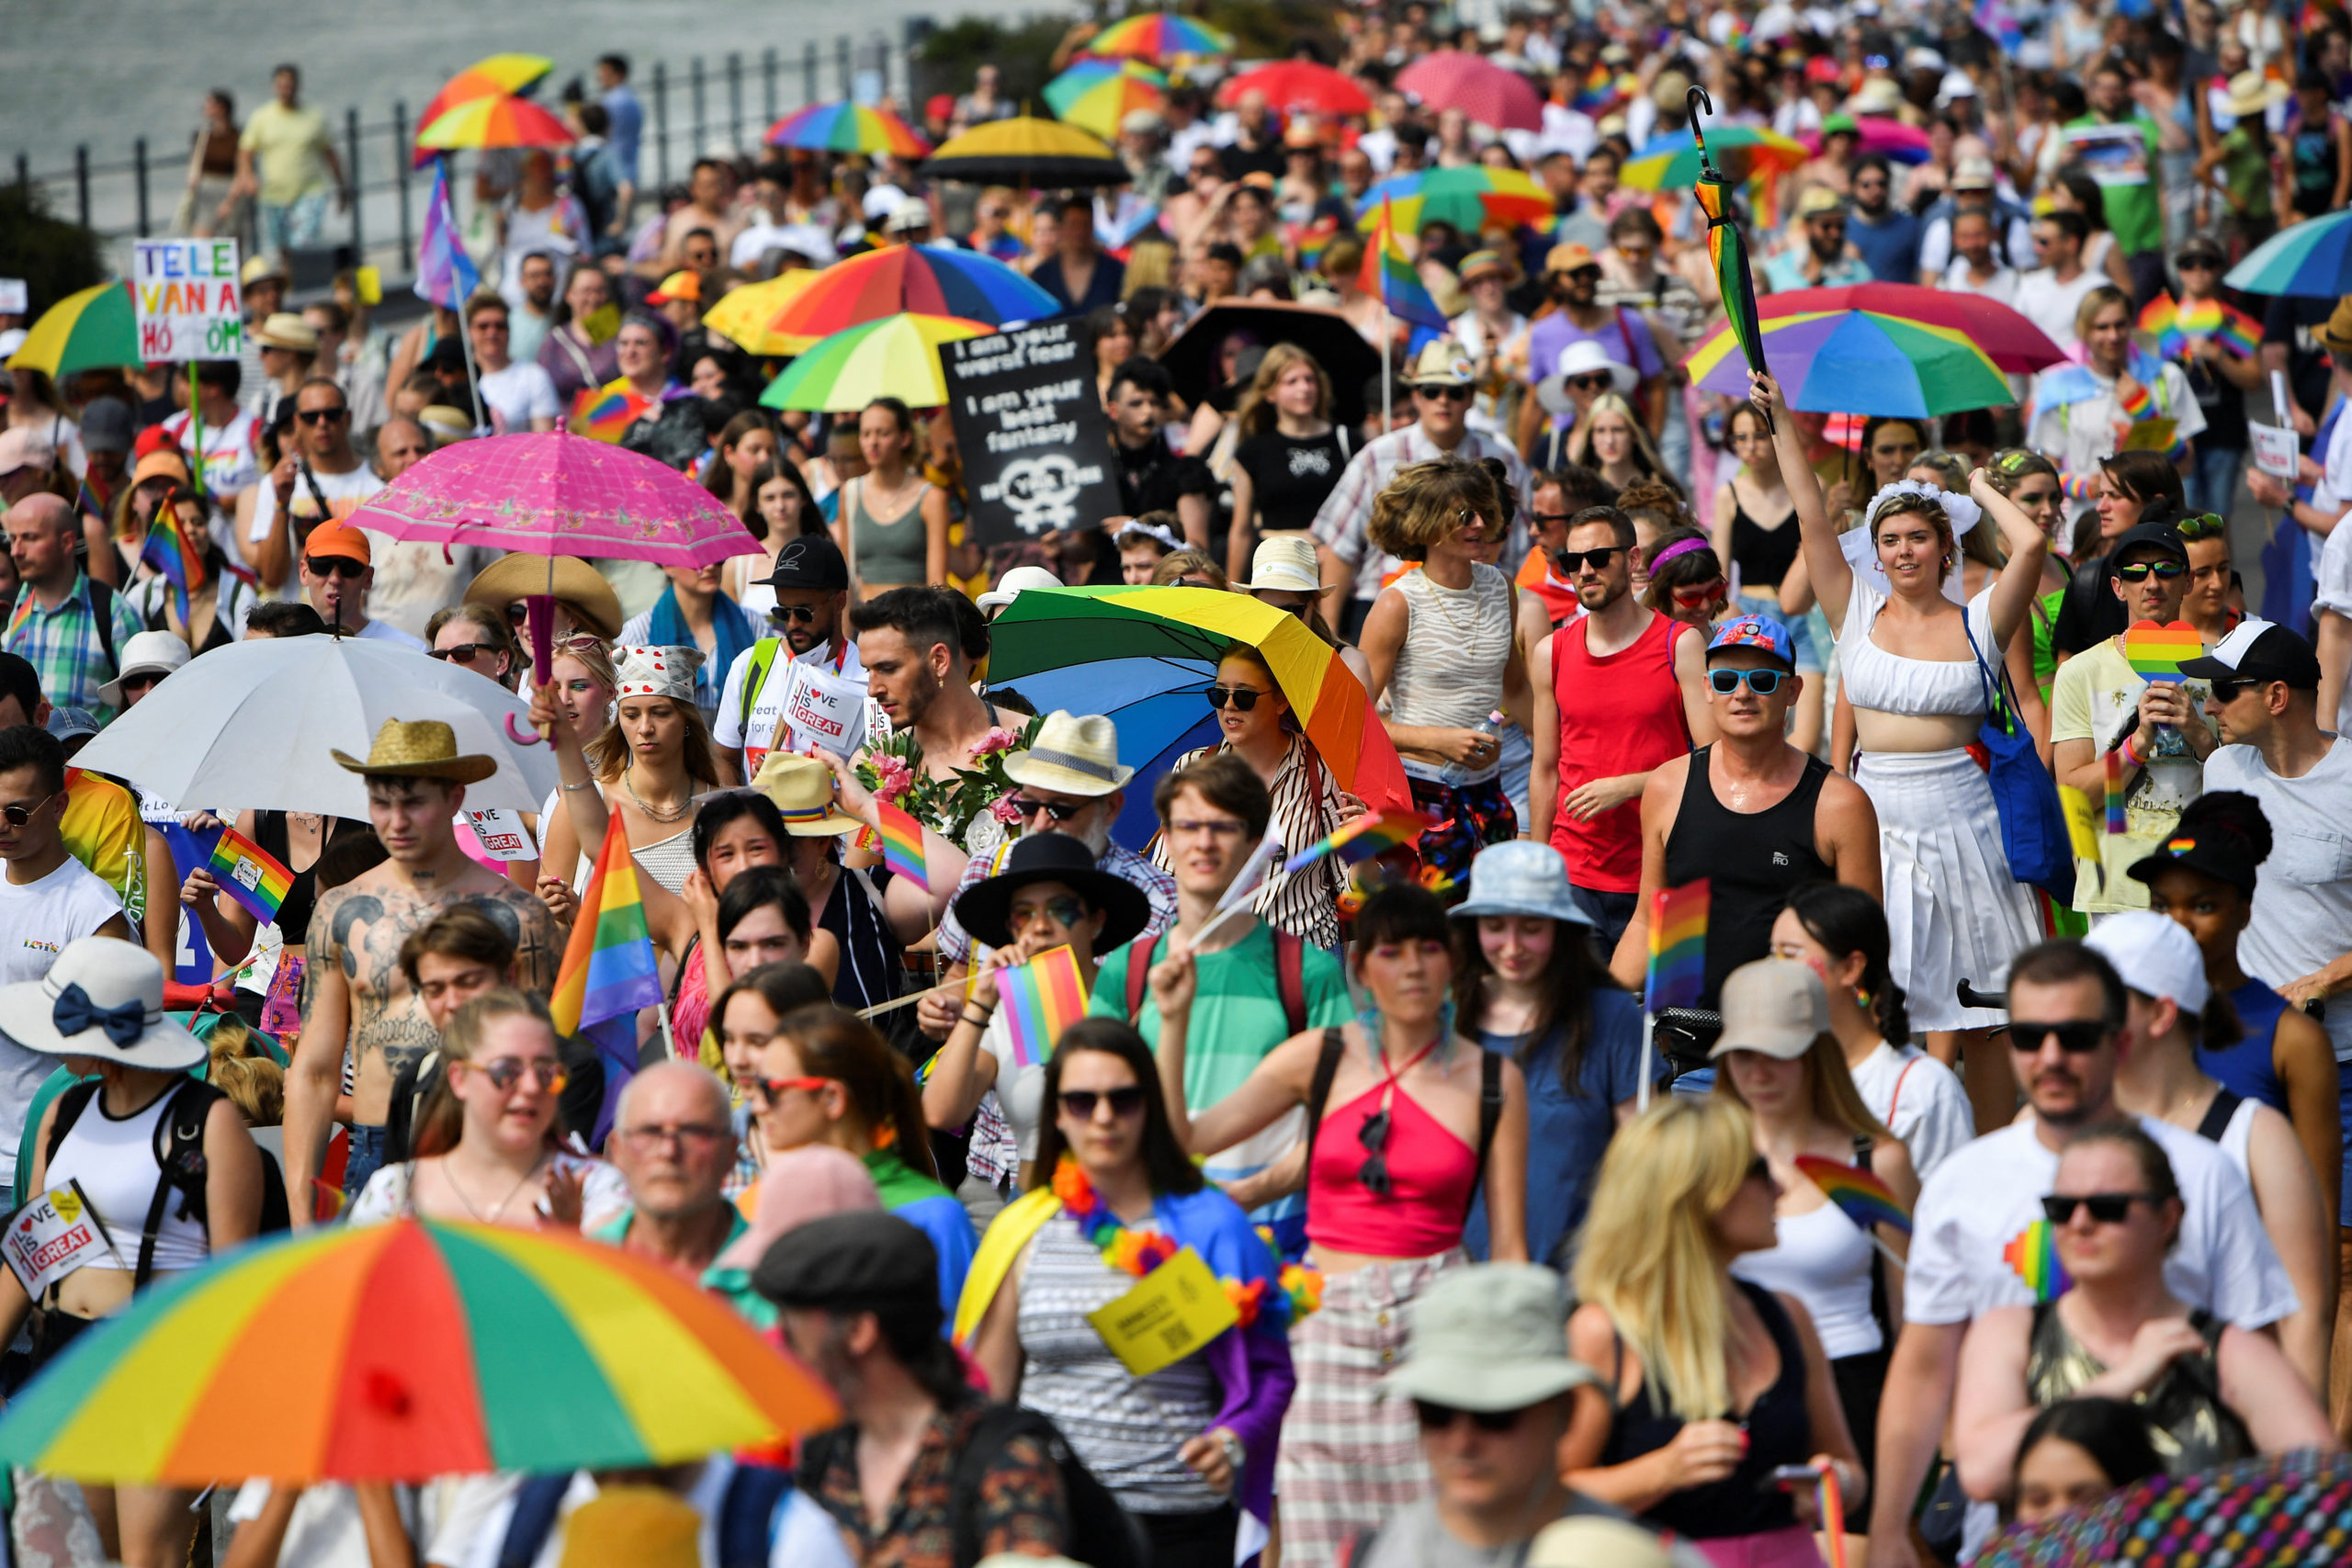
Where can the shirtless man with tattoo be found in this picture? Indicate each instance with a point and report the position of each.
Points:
(353, 989)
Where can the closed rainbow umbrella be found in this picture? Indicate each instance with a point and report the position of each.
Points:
(1158, 35)
(402, 1351)
(85, 331)
(895, 357)
(847, 127)
(1096, 94)
(494, 122)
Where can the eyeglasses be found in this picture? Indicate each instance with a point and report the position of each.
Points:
(1060, 810)
(2075, 1036)
(1124, 1102)
(792, 614)
(1832, 226)
(1242, 699)
(2106, 1208)
(2140, 571)
(2204, 525)
(1063, 912)
(1436, 1418)
(333, 566)
(465, 654)
(18, 815)
(1446, 393)
(1763, 682)
(315, 416)
(773, 1090)
(1598, 381)
(645, 1140)
(1571, 563)
(507, 1071)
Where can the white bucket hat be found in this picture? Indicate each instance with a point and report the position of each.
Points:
(1283, 564)
(1014, 584)
(103, 998)
(1072, 756)
(1488, 1338)
(149, 653)
(1582, 358)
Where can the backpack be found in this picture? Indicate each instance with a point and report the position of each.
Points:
(180, 1157)
(1490, 1104)
(102, 616)
(1290, 978)
(745, 1524)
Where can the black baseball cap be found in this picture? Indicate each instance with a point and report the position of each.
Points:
(2210, 852)
(812, 561)
(2161, 537)
(860, 1262)
(2257, 650)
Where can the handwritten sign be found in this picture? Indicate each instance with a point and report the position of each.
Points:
(49, 1237)
(501, 834)
(184, 299)
(2274, 449)
(1172, 1312)
(822, 707)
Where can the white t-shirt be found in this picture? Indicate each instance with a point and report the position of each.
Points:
(384, 631)
(734, 731)
(2001, 285)
(519, 394)
(2076, 435)
(229, 465)
(36, 921)
(2335, 487)
(344, 494)
(325, 1531)
(1920, 1100)
(2335, 597)
(2050, 305)
(1978, 1216)
(800, 1534)
(2302, 901)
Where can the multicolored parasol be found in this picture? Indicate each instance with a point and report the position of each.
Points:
(741, 315)
(1875, 135)
(1160, 35)
(1685, 157)
(927, 280)
(1470, 199)
(403, 1351)
(1726, 247)
(2007, 338)
(91, 329)
(2312, 260)
(2274, 1511)
(896, 356)
(1858, 362)
(1096, 94)
(494, 122)
(847, 127)
(498, 75)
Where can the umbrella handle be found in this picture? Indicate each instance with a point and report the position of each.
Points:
(1692, 102)
(520, 738)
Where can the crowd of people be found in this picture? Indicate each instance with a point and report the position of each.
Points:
(2038, 944)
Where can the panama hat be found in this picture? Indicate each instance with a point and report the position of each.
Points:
(103, 998)
(418, 748)
(1284, 563)
(802, 789)
(1072, 755)
(579, 587)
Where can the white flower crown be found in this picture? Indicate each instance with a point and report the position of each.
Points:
(1962, 512)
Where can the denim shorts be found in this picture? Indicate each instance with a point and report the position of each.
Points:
(1808, 633)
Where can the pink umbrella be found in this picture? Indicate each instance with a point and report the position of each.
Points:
(1449, 79)
(557, 494)
(1889, 139)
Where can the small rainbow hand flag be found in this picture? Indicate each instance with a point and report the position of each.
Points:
(901, 838)
(2033, 1253)
(1039, 1000)
(2114, 763)
(1860, 1195)
(178, 557)
(250, 874)
(610, 971)
(1389, 276)
(1375, 833)
(604, 413)
(1677, 973)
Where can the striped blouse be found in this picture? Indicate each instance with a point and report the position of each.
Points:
(1307, 809)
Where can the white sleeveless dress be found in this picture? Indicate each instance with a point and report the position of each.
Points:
(1953, 909)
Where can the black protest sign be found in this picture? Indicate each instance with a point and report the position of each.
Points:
(1030, 427)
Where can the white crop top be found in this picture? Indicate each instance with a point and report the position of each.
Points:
(1890, 683)
(115, 1162)
(1825, 1260)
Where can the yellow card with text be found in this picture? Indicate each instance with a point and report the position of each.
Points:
(1172, 1312)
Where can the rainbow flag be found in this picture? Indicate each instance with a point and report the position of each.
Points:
(178, 557)
(1375, 833)
(1860, 1195)
(1678, 972)
(609, 970)
(604, 413)
(2033, 1253)
(1389, 273)
(445, 275)
(901, 838)
(1037, 1000)
(250, 874)
(2171, 327)
(2113, 762)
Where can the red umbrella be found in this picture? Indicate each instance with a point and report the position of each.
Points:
(2007, 338)
(1293, 86)
(1449, 79)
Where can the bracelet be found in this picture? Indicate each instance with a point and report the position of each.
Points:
(2132, 750)
(979, 1022)
(583, 783)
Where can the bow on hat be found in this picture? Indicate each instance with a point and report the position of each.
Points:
(75, 1013)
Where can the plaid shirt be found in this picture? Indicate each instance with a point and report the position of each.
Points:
(64, 646)
(1341, 523)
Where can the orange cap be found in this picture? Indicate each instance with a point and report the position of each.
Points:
(338, 539)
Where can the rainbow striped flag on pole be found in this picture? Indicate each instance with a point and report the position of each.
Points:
(1678, 972)
(445, 275)
(609, 970)
(1389, 274)
(248, 872)
(901, 838)
(1039, 1000)
(178, 557)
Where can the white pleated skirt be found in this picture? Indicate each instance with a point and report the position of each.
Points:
(1953, 911)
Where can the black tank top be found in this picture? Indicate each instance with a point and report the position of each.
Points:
(1779, 1432)
(1763, 555)
(302, 894)
(1754, 858)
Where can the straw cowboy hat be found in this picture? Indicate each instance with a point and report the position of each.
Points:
(802, 789)
(103, 998)
(579, 588)
(1072, 756)
(419, 749)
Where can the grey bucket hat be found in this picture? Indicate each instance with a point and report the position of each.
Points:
(1520, 878)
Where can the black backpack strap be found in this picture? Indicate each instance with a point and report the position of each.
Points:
(2216, 1121)
(1290, 980)
(70, 1106)
(101, 614)
(537, 1502)
(747, 1514)
(180, 1168)
(1139, 953)
(1490, 1112)
(1326, 1067)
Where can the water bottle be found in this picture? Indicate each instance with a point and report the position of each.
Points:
(1456, 774)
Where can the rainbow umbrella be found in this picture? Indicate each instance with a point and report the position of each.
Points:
(496, 76)
(1157, 35)
(89, 329)
(1858, 362)
(1742, 153)
(741, 315)
(2312, 260)
(1470, 199)
(1096, 94)
(930, 281)
(402, 1351)
(847, 127)
(494, 122)
(2271, 1511)
(896, 356)
(1027, 154)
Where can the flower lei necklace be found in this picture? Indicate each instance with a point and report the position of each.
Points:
(1127, 1249)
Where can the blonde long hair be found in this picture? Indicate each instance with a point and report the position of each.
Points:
(1649, 1257)
(1645, 456)
(1830, 1093)
(1256, 413)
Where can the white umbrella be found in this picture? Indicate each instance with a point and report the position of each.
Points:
(249, 725)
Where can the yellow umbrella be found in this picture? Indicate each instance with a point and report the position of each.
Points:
(741, 315)
(1027, 152)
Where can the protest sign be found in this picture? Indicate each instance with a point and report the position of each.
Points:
(53, 1235)
(502, 834)
(1031, 430)
(184, 299)
(822, 707)
(1177, 1308)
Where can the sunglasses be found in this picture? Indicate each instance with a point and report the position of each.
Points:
(2225, 692)
(1242, 699)
(1436, 1418)
(334, 566)
(2140, 571)
(773, 1090)
(1598, 381)
(2204, 525)
(2106, 1208)
(507, 1071)
(1571, 563)
(465, 654)
(2198, 263)
(18, 815)
(793, 614)
(1706, 593)
(317, 416)
(1763, 682)
(1063, 912)
(2075, 1036)
(1060, 811)
(1124, 1102)
(1448, 393)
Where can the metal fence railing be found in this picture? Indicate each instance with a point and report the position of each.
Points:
(728, 102)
